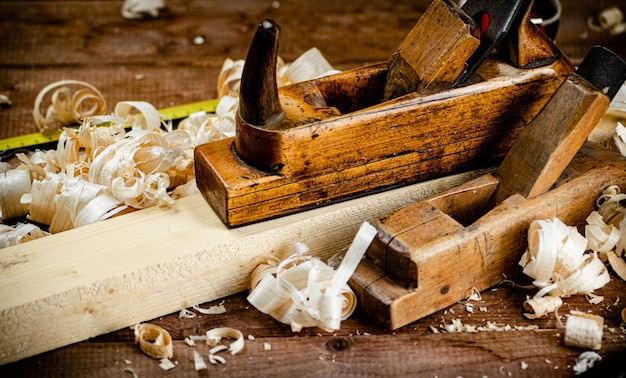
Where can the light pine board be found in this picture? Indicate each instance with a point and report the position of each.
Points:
(96, 279)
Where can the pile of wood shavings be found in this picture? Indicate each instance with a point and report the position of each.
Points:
(100, 169)
(302, 291)
(563, 263)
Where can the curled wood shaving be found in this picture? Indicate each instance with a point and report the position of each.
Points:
(209, 127)
(617, 264)
(131, 371)
(67, 107)
(556, 260)
(150, 165)
(215, 335)
(154, 341)
(189, 342)
(620, 138)
(215, 359)
(302, 291)
(213, 310)
(584, 330)
(186, 314)
(20, 233)
(13, 185)
(606, 229)
(541, 305)
(609, 20)
(136, 9)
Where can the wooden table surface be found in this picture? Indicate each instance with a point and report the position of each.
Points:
(156, 60)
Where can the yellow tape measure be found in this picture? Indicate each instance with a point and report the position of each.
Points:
(35, 139)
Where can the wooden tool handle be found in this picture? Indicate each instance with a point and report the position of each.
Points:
(546, 146)
(258, 103)
(433, 54)
(529, 47)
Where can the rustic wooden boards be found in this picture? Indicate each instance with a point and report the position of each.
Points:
(51, 40)
(156, 60)
(357, 349)
(89, 40)
(109, 275)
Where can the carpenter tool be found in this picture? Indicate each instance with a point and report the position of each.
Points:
(433, 253)
(333, 138)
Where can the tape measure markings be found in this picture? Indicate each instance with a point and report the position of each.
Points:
(173, 112)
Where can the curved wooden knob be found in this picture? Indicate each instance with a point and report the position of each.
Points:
(258, 102)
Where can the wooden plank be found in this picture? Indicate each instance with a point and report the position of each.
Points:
(149, 263)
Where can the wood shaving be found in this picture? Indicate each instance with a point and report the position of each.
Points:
(213, 310)
(215, 335)
(154, 341)
(218, 348)
(609, 20)
(13, 185)
(5, 101)
(303, 291)
(585, 361)
(556, 260)
(67, 107)
(20, 233)
(186, 314)
(606, 229)
(207, 127)
(166, 364)
(584, 330)
(150, 165)
(136, 9)
(214, 359)
(594, 299)
(131, 371)
(541, 305)
(198, 361)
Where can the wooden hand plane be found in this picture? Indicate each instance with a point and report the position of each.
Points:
(433, 253)
(441, 104)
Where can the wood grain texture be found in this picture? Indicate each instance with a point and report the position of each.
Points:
(156, 261)
(262, 173)
(434, 52)
(156, 60)
(358, 349)
(438, 261)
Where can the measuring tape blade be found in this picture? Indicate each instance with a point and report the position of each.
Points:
(173, 112)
